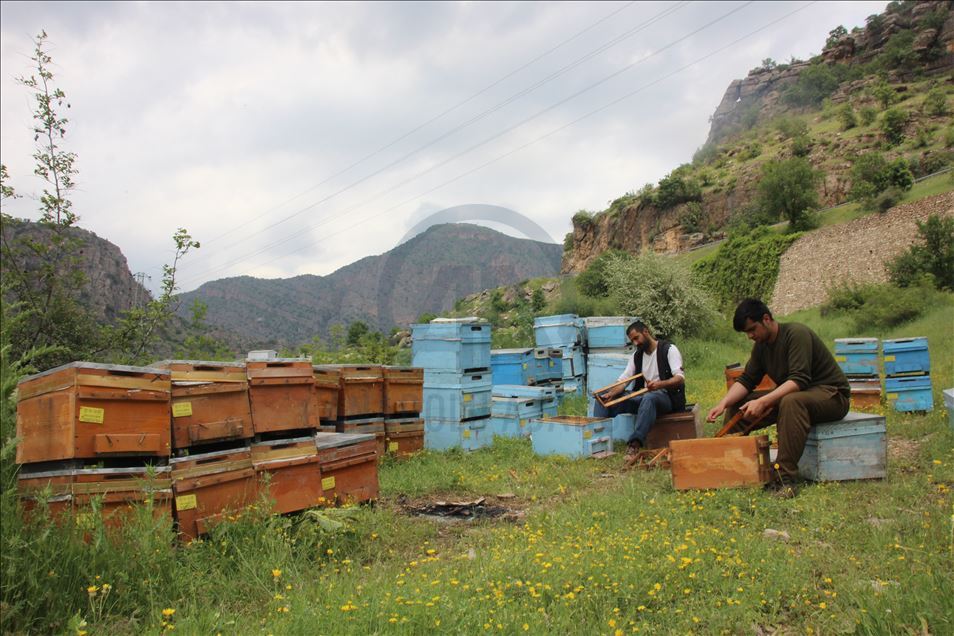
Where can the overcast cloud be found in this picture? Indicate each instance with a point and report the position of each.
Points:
(237, 121)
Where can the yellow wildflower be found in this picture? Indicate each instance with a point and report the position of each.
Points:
(168, 612)
(276, 573)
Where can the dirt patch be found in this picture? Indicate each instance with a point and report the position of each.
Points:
(458, 510)
(904, 453)
(853, 252)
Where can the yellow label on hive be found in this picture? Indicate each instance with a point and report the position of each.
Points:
(182, 409)
(468, 397)
(393, 446)
(892, 396)
(552, 364)
(186, 502)
(91, 414)
(889, 358)
(524, 366)
(587, 434)
(466, 433)
(328, 483)
(523, 422)
(840, 358)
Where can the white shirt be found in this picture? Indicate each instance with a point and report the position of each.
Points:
(651, 369)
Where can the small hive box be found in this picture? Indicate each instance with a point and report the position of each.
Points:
(447, 434)
(451, 344)
(282, 394)
(403, 390)
(116, 489)
(852, 448)
(209, 402)
(561, 330)
(857, 356)
(574, 364)
(906, 356)
(683, 425)
(366, 426)
(209, 486)
(360, 390)
(720, 462)
(512, 366)
(294, 475)
(865, 393)
(404, 436)
(910, 394)
(572, 436)
(327, 385)
(451, 396)
(84, 410)
(607, 332)
(349, 467)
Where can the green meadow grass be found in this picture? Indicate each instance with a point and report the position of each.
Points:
(590, 548)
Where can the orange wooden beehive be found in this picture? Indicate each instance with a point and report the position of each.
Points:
(209, 486)
(684, 425)
(865, 393)
(209, 402)
(349, 466)
(733, 371)
(84, 410)
(282, 395)
(403, 390)
(72, 491)
(294, 480)
(720, 462)
(361, 390)
(404, 436)
(366, 426)
(327, 382)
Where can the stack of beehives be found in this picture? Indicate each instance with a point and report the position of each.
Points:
(197, 439)
(565, 333)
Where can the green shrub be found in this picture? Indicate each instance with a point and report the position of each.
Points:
(572, 301)
(899, 174)
(801, 145)
(883, 93)
(935, 102)
(931, 256)
(922, 137)
(791, 126)
(583, 218)
(892, 125)
(706, 153)
(888, 199)
(879, 307)
(898, 52)
(661, 292)
(746, 265)
(869, 175)
(814, 84)
(868, 114)
(568, 242)
(675, 188)
(931, 162)
(846, 115)
(787, 189)
(592, 281)
(949, 137)
(692, 217)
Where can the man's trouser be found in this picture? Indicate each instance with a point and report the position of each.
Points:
(647, 408)
(794, 416)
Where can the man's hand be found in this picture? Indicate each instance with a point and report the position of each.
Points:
(755, 410)
(654, 385)
(716, 411)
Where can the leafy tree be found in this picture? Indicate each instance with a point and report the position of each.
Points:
(814, 84)
(932, 255)
(356, 331)
(935, 102)
(846, 114)
(787, 189)
(892, 125)
(791, 126)
(677, 187)
(198, 343)
(899, 174)
(537, 301)
(869, 175)
(593, 280)
(884, 94)
(868, 114)
(835, 36)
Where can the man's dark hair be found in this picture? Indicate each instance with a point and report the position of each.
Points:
(636, 325)
(749, 309)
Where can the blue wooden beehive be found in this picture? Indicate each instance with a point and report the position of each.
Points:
(910, 393)
(852, 448)
(857, 357)
(624, 424)
(906, 356)
(511, 416)
(513, 366)
(574, 364)
(543, 392)
(451, 344)
(562, 330)
(547, 364)
(450, 396)
(444, 435)
(607, 332)
(572, 436)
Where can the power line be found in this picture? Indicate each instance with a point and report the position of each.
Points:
(432, 119)
(602, 48)
(487, 140)
(554, 131)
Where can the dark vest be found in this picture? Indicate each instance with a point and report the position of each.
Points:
(677, 395)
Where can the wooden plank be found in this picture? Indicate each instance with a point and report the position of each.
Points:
(142, 383)
(598, 393)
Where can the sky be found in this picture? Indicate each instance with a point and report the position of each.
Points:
(295, 138)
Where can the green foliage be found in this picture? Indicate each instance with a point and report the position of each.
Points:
(872, 307)
(846, 115)
(888, 199)
(935, 102)
(801, 145)
(787, 189)
(884, 94)
(692, 217)
(356, 331)
(593, 280)
(898, 52)
(791, 126)
(931, 256)
(922, 137)
(750, 151)
(949, 136)
(872, 174)
(814, 84)
(568, 242)
(705, 154)
(583, 218)
(892, 125)
(573, 301)
(661, 292)
(899, 174)
(745, 266)
(677, 187)
(835, 36)
(537, 300)
(868, 114)
(198, 344)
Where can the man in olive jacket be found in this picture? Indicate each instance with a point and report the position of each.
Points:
(811, 387)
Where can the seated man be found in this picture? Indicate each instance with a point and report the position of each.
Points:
(661, 365)
(811, 387)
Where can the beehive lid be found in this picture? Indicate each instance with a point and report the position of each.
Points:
(210, 455)
(332, 440)
(96, 365)
(570, 420)
(608, 321)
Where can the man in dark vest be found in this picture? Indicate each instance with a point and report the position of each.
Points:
(661, 365)
(811, 387)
